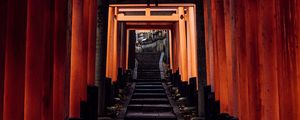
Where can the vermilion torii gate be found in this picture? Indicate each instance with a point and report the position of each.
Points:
(250, 54)
(181, 21)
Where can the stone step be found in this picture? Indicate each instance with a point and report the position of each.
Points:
(148, 63)
(149, 101)
(149, 91)
(149, 77)
(150, 107)
(148, 80)
(149, 74)
(148, 86)
(148, 70)
(148, 56)
(148, 83)
(148, 53)
(149, 95)
(144, 64)
(150, 116)
(149, 60)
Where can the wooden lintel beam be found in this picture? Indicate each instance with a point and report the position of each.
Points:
(121, 17)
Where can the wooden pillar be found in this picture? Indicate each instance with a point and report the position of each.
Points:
(297, 34)
(221, 55)
(91, 55)
(119, 44)
(183, 44)
(251, 10)
(230, 58)
(115, 47)
(61, 58)
(3, 25)
(112, 45)
(208, 41)
(188, 45)
(127, 49)
(241, 68)
(86, 31)
(207, 10)
(193, 42)
(38, 66)
(78, 61)
(175, 48)
(286, 58)
(178, 49)
(14, 67)
(122, 46)
(171, 49)
(109, 42)
(214, 51)
(267, 61)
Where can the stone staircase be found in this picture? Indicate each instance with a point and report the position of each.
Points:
(149, 100)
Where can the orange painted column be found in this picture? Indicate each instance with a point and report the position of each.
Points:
(193, 42)
(297, 35)
(208, 36)
(78, 60)
(171, 49)
(267, 61)
(61, 59)
(127, 49)
(3, 25)
(109, 42)
(295, 79)
(286, 59)
(188, 44)
(252, 56)
(112, 45)
(14, 67)
(38, 66)
(122, 44)
(178, 50)
(283, 57)
(183, 45)
(124, 49)
(174, 58)
(92, 24)
(114, 52)
(230, 58)
(241, 67)
(221, 55)
(214, 51)
(175, 49)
